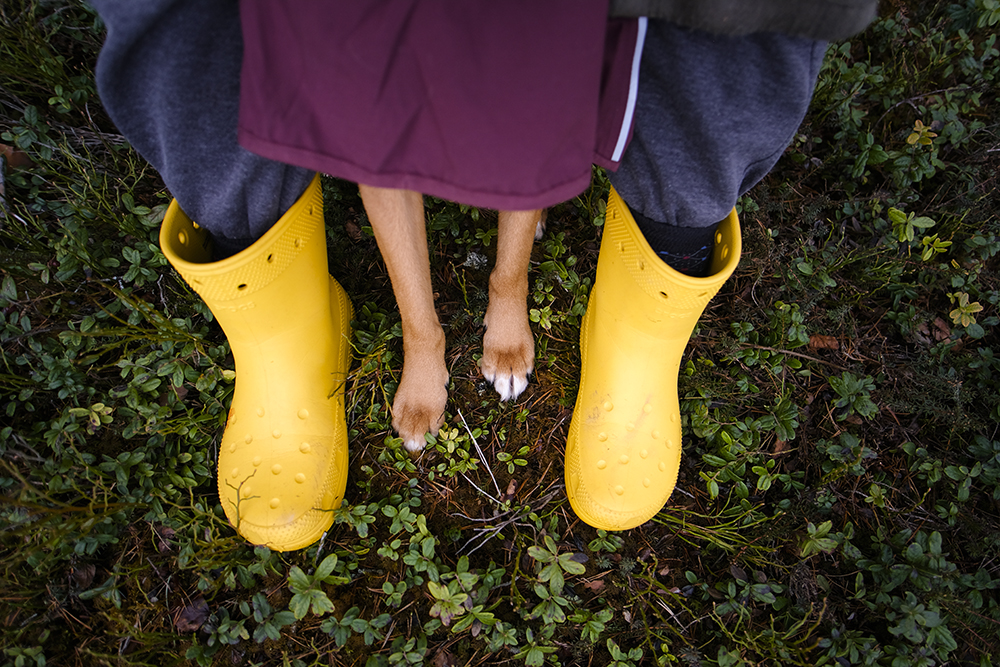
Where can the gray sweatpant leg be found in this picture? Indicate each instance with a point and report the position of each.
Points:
(169, 76)
(713, 115)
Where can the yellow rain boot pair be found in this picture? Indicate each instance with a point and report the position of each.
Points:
(283, 456)
(624, 445)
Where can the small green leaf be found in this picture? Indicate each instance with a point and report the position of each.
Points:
(298, 580)
(541, 555)
(326, 568)
(8, 289)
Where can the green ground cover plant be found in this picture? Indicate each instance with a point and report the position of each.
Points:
(839, 496)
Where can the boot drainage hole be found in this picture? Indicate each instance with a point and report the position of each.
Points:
(298, 242)
(270, 258)
(664, 295)
(241, 286)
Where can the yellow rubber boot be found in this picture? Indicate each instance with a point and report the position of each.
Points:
(283, 456)
(624, 445)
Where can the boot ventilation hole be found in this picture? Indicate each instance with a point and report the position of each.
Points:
(298, 243)
(664, 295)
(642, 265)
(241, 286)
(724, 253)
(718, 238)
(270, 258)
(182, 238)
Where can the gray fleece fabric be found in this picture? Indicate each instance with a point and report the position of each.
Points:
(713, 115)
(169, 75)
(817, 19)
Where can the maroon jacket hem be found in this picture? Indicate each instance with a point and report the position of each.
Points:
(428, 185)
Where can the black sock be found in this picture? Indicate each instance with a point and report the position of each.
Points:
(684, 249)
(223, 246)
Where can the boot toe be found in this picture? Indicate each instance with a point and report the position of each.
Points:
(283, 466)
(621, 468)
(281, 492)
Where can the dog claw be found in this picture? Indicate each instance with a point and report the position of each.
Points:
(414, 446)
(540, 225)
(510, 386)
(508, 371)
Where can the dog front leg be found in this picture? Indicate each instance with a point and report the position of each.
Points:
(397, 218)
(508, 347)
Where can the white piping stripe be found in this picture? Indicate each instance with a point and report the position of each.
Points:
(633, 89)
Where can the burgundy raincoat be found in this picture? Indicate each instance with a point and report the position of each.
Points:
(494, 104)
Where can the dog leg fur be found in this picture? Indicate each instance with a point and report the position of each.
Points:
(508, 346)
(397, 218)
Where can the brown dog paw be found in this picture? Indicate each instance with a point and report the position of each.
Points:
(508, 357)
(420, 400)
(417, 413)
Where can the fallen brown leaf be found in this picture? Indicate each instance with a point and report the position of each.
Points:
(192, 617)
(164, 534)
(84, 575)
(819, 342)
(15, 157)
(922, 334)
(353, 230)
(941, 330)
(444, 658)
